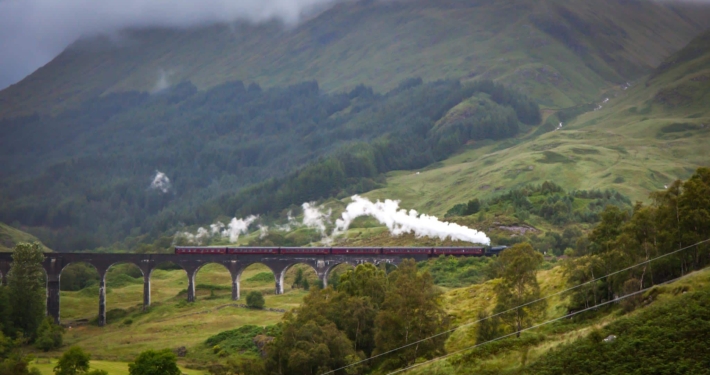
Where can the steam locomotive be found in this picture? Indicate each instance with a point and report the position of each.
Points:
(429, 251)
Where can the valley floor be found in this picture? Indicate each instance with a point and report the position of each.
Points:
(171, 322)
(46, 367)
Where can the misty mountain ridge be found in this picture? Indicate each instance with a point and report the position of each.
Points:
(560, 52)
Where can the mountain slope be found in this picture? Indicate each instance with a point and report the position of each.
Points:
(641, 139)
(9, 237)
(561, 52)
(82, 179)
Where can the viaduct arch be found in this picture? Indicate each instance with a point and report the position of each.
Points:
(55, 263)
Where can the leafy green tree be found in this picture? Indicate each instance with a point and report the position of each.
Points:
(27, 291)
(255, 300)
(5, 345)
(351, 309)
(638, 242)
(151, 362)
(298, 280)
(695, 220)
(49, 335)
(517, 269)
(334, 280)
(78, 276)
(17, 363)
(669, 215)
(410, 312)
(366, 280)
(604, 235)
(488, 327)
(604, 239)
(308, 348)
(473, 206)
(5, 311)
(73, 362)
(581, 271)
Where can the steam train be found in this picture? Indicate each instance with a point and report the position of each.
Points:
(429, 251)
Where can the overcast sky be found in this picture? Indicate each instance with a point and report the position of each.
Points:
(32, 32)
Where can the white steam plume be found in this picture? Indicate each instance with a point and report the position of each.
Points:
(399, 221)
(198, 238)
(313, 217)
(233, 230)
(160, 182)
(263, 231)
(162, 83)
(237, 227)
(291, 223)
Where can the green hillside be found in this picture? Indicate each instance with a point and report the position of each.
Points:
(640, 140)
(561, 52)
(9, 237)
(86, 177)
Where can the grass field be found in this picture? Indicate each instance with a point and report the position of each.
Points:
(46, 367)
(171, 322)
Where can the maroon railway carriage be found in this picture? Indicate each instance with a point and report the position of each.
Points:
(356, 250)
(460, 251)
(252, 250)
(305, 250)
(200, 250)
(407, 250)
(469, 251)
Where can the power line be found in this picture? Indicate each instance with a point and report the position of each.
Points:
(517, 307)
(529, 328)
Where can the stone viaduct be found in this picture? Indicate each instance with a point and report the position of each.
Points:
(54, 263)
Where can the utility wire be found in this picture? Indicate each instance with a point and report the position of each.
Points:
(529, 328)
(517, 307)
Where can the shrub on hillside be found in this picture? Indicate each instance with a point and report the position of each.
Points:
(240, 339)
(75, 362)
(49, 335)
(255, 300)
(262, 277)
(151, 362)
(672, 338)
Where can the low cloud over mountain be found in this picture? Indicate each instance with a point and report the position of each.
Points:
(32, 32)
